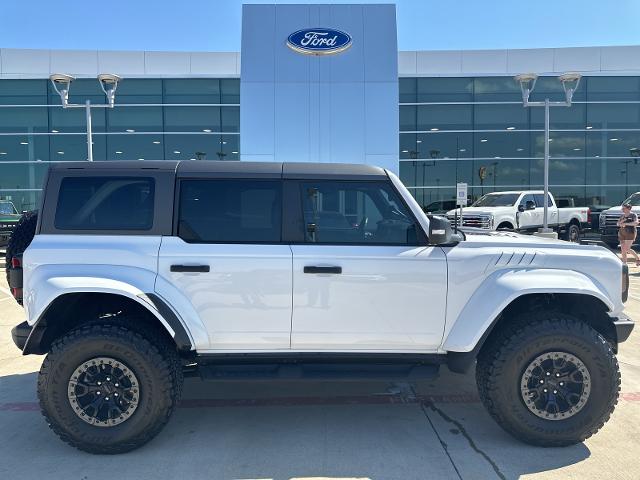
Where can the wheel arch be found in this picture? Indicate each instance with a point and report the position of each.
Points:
(510, 289)
(70, 309)
(584, 306)
(509, 224)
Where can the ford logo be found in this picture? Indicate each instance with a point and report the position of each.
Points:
(319, 41)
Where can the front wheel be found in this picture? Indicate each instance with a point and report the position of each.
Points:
(548, 379)
(108, 389)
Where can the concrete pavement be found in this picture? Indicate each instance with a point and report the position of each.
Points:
(292, 430)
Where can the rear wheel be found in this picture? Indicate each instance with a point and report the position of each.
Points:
(572, 234)
(104, 388)
(548, 379)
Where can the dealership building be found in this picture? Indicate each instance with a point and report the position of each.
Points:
(434, 117)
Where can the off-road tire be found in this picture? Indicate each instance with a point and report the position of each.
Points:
(21, 237)
(152, 358)
(506, 355)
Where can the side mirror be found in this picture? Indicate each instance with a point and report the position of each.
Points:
(440, 232)
(531, 205)
(521, 208)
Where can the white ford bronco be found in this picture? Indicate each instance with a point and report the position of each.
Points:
(134, 274)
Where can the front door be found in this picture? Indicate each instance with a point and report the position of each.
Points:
(529, 219)
(228, 262)
(363, 278)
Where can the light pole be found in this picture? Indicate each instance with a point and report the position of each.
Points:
(527, 81)
(108, 82)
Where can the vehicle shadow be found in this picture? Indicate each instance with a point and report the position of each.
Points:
(287, 430)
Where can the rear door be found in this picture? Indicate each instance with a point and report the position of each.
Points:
(363, 275)
(552, 209)
(227, 260)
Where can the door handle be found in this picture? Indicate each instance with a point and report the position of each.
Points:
(315, 269)
(189, 268)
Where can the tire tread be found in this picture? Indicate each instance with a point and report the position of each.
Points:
(159, 352)
(493, 357)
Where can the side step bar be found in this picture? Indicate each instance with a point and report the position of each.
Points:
(316, 372)
(317, 367)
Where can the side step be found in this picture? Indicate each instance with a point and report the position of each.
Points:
(315, 371)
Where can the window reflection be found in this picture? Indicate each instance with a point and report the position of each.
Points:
(591, 144)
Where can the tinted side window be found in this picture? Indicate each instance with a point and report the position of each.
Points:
(105, 203)
(356, 213)
(527, 198)
(229, 210)
(540, 200)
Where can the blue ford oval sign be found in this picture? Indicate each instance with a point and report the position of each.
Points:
(319, 41)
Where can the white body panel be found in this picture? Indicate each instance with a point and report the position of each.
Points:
(124, 265)
(487, 272)
(386, 298)
(244, 301)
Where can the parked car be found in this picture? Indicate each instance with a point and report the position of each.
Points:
(138, 272)
(440, 207)
(522, 211)
(9, 217)
(608, 222)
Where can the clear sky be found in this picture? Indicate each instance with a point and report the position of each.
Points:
(214, 25)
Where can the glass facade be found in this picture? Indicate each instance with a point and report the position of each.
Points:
(195, 118)
(462, 129)
(475, 130)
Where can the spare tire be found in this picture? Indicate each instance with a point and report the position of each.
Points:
(21, 237)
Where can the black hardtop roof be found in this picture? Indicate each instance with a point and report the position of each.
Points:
(117, 165)
(203, 168)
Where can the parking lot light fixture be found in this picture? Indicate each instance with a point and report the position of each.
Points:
(570, 82)
(108, 82)
(527, 82)
(61, 83)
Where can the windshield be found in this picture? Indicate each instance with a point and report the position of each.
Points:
(633, 200)
(7, 208)
(497, 200)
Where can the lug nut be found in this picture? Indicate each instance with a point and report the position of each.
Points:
(557, 374)
(108, 379)
(98, 392)
(545, 390)
(115, 394)
(555, 391)
(106, 398)
(99, 383)
(548, 373)
(561, 384)
(117, 385)
(541, 381)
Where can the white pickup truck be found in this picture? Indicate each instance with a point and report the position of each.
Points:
(522, 211)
